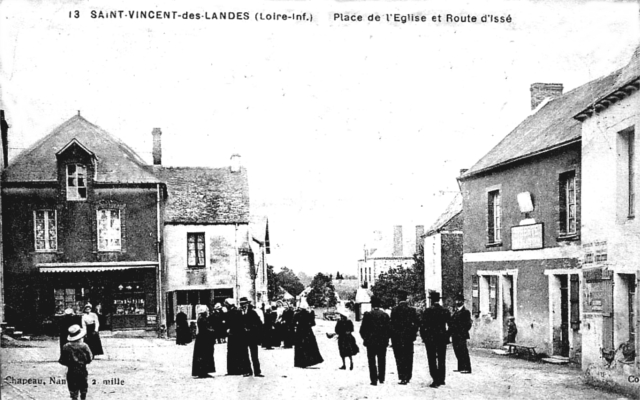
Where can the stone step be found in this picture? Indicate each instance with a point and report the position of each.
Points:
(558, 360)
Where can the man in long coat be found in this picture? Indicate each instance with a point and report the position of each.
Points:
(375, 333)
(251, 338)
(404, 327)
(459, 331)
(237, 357)
(433, 329)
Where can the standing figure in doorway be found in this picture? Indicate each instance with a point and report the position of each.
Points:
(91, 325)
(375, 332)
(404, 328)
(512, 331)
(459, 327)
(433, 329)
(183, 333)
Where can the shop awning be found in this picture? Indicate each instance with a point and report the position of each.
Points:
(94, 266)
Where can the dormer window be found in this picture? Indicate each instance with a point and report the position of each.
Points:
(76, 182)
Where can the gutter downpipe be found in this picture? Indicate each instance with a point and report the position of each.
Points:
(159, 307)
(235, 247)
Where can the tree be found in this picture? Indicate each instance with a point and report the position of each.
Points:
(288, 280)
(304, 279)
(322, 293)
(273, 289)
(409, 279)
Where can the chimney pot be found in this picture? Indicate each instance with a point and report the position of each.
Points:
(157, 146)
(542, 91)
(235, 163)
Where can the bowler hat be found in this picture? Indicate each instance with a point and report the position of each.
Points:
(434, 295)
(244, 300)
(75, 333)
(459, 297)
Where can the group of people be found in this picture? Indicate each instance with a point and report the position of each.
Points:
(437, 326)
(245, 331)
(79, 344)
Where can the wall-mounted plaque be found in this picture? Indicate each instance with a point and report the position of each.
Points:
(527, 237)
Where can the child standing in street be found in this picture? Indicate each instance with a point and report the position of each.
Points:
(75, 356)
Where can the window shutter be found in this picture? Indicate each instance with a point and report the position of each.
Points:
(562, 199)
(475, 296)
(607, 298)
(575, 301)
(490, 219)
(493, 296)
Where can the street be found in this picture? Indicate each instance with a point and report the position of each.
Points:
(158, 369)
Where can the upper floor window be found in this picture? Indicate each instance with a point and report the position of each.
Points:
(76, 182)
(494, 217)
(46, 230)
(109, 232)
(568, 203)
(195, 249)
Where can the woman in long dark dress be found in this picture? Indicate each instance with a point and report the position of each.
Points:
(238, 362)
(288, 328)
(91, 325)
(203, 362)
(183, 333)
(346, 342)
(306, 348)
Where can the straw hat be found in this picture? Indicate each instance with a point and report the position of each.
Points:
(75, 333)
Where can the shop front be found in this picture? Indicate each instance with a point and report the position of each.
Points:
(124, 296)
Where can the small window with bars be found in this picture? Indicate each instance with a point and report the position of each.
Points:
(195, 250)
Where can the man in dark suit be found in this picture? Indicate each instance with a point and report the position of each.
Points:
(459, 332)
(433, 330)
(404, 326)
(251, 337)
(375, 335)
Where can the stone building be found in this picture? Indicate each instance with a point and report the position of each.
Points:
(610, 228)
(443, 253)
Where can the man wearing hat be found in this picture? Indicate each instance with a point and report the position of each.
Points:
(433, 330)
(237, 357)
(404, 327)
(375, 336)
(75, 356)
(252, 326)
(459, 331)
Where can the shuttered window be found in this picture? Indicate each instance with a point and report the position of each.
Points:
(575, 301)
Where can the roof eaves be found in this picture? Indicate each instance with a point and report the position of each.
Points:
(514, 160)
(616, 94)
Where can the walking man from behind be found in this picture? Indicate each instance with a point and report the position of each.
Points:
(404, 327)
(433, 329)
(459, 331)
(375, 335)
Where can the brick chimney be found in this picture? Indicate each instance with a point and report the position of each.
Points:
(157, 146)
(235, 163)
(397, 241)
(541, 91)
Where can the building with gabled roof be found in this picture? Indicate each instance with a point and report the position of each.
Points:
(82, 224)
(611, 231)
(443, 253)
(523, 225)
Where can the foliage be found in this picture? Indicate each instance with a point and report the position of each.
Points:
(273, 289)
(409, 279)
(323, 293)
(346, 293)
(288, 280)
(304, 279)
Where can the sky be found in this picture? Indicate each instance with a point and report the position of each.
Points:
(344, 127)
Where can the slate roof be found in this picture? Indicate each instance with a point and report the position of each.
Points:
(453, 209)
(197, 195)
(116, 162)
(552, 126)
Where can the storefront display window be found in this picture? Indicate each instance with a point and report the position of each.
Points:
(74, 298)
(128, 299)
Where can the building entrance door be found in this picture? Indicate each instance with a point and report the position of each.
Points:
(564, 316)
